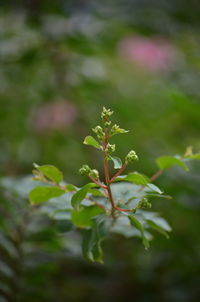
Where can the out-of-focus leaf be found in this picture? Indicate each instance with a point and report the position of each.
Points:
(154, 188)
(160, 225)
(136, 223)
(83, 217)
(190, 155)
(166, 162)
(91, 141)
(42, 194)
(70, 188)
(117, 162)
(51, 172)
(124, 191)
(8, 245)
(158, 195)
(93, 238)
(80, 195)
(193, 156)
(96, 192)
(122, 226)
(135, 177)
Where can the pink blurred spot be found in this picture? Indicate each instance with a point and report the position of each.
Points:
(154, 54)
(54, 116)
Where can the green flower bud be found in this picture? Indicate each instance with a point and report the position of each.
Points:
(106, 114)
(130, 157)
(144, 203)
(94, 174)
(99, 131)
(110, 148)
(107, 124)
(117, 130)
(84, 170)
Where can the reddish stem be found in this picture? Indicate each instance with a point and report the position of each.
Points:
(123, 210)
(97, 182)
(156, 175)
(107, 177)
(118, 173)
(106, 168)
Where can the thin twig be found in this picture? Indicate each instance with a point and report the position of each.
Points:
(156, 175)
(97, 182)
(106, 170)
(118, 173)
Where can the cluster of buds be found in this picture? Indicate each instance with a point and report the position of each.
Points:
(94, 174)
(130, 157)
(84, 170)
(99, 132)
(117, 130)
(110, 148)
(144, 203)
(105, 115)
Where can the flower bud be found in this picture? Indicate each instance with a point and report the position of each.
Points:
(94, 174)
(107, 124)
(130, 157)
(117, 130)
(84, 170)
(144, 203)
(105, 115)
(110, 148)
(98, 131)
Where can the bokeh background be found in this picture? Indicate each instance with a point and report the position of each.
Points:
(60, 63)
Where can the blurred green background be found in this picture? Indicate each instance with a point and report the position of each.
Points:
(61, 62)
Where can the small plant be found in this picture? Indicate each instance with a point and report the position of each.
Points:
(115, 204)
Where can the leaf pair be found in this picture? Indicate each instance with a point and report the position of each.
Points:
(157, 223)
(93, 238)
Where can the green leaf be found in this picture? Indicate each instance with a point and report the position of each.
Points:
(166, 162)
(42, 194)
(135, 177)
(193, 156)
(93, 238)
(96, 192)
(70, 188)
(80, 195)
(122, 226)
(136, 223)
(50, 172)
(158, 195)
(117, 162)
(160, 225)
(90, 140)
(154, 188)
(83, 217)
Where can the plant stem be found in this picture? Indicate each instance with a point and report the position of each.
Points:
(97, 182)
(156, 175)
(118, 173)
(107, 176)
(106, 169)
(123, 210)
(96, 203)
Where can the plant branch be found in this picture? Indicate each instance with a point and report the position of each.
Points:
(118, 173)
(156, 175)
(96, 203)
(106, 168)
(152, 178)
(107, 176)
(123, 210)
(97, 182)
